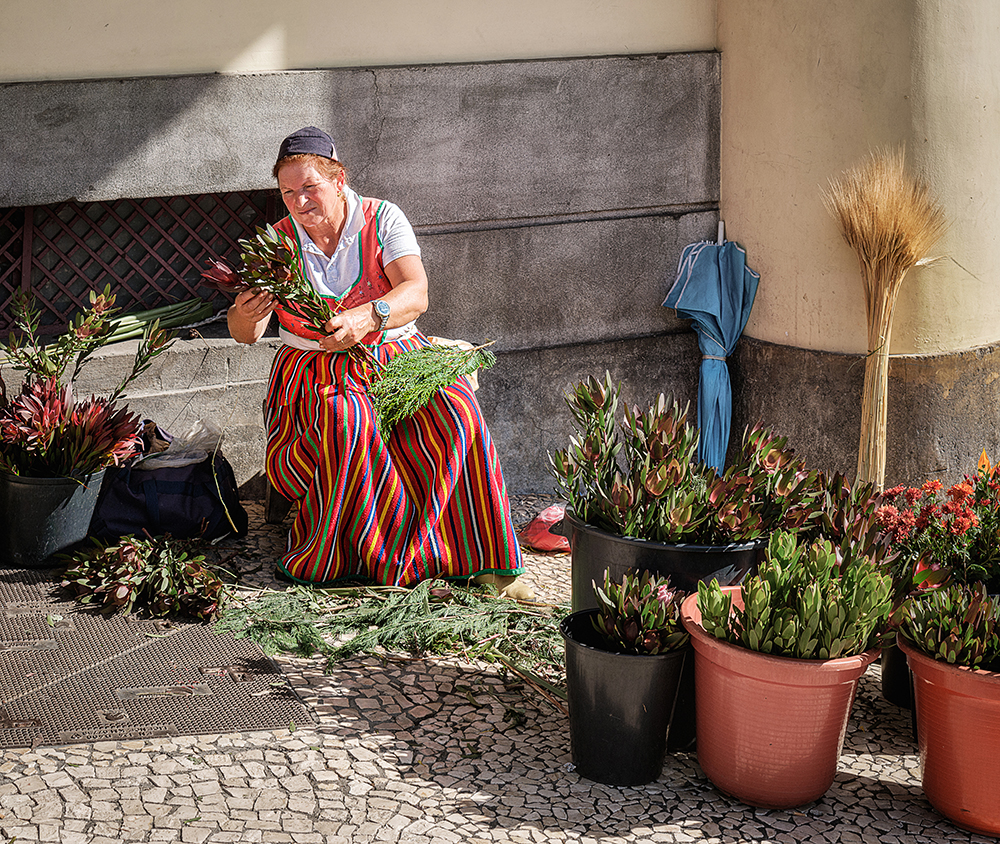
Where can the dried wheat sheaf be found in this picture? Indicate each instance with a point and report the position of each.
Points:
(890, 220)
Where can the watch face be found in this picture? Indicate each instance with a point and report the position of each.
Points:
(381, 308)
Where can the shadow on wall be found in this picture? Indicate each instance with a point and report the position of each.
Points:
(554, 231)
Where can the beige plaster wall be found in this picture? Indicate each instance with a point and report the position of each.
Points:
(56, 39)
(811, 88)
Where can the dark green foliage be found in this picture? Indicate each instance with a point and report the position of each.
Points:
(805, 603)
(640, 615)
(959, 624)
(639, 476)
(411, 378)
(162, 576)
(45, 431)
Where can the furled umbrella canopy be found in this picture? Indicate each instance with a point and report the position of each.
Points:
(715, 288)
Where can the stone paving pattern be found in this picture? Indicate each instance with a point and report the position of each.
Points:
(435, 752)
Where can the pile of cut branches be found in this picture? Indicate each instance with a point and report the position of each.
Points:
(432, 618)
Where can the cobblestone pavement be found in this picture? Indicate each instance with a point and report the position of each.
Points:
(421, 752)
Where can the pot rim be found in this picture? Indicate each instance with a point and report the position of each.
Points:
(960, 678)
(38, 480)
(806, 671)
(579, 524)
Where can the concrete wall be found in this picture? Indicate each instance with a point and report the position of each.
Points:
(809, 90)
(940, 418)
(552, 200)
(55, 39)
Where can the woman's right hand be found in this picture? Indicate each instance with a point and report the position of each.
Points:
(249, 316)
(254, 305)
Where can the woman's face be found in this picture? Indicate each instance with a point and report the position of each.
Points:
(311, 198)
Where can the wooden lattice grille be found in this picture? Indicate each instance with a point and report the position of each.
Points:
(151, 251)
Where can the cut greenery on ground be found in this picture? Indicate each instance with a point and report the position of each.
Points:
(164, 577)
(432, 618)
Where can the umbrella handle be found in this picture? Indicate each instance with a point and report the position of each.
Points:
(722, 232)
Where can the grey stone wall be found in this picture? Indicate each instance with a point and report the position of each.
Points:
(942, 409)
(551, 198)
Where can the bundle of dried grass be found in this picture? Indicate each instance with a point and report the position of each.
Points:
(890, 220)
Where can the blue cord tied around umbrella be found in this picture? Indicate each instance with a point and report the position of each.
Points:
(715, 288)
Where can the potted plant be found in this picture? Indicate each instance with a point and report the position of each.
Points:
(936, 537)
(777, 664)
(54, 447)
(951, 639)
(623, 666)
(638, 498)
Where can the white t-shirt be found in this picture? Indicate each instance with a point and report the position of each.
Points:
(336, 275)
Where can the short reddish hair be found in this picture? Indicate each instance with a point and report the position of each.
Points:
(328, 167)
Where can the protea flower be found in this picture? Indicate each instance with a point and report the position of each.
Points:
(220, 276)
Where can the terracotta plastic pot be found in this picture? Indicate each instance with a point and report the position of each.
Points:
(958, 735)
(619, 705)
(770, 728)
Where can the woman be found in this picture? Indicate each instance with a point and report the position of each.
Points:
(423, 500)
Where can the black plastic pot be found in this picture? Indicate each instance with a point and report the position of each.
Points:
(593, 550)
(619, 705)
(897, 680)
(40, 517)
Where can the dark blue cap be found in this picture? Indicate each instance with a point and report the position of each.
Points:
(308, 141)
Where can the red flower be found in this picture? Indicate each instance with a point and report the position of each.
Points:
(959, 492)
(221, 276)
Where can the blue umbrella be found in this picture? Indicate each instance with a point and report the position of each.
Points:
(715, 288)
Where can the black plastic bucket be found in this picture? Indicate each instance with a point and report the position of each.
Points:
(40, 517)
(897, 681)
(593, 550)
(619, 705)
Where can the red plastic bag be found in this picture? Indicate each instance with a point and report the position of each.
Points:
(538, 534)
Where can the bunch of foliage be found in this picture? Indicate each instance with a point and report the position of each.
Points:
(45, 431)
(398, 389)
(804, 602)
(958, 623)
(940, 536)
(269, 264)
(160, 575)
(640, 615)
(409, 381)
(639, 477)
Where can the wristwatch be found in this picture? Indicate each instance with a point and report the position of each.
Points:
(382, 312)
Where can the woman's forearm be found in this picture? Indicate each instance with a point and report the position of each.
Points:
(406, 301)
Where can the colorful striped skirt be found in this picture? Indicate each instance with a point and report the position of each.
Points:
(427, 500)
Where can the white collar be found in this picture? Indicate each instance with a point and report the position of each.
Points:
(354, 223)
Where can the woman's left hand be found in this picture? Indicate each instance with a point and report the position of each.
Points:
(349, 328)
(407, 300)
